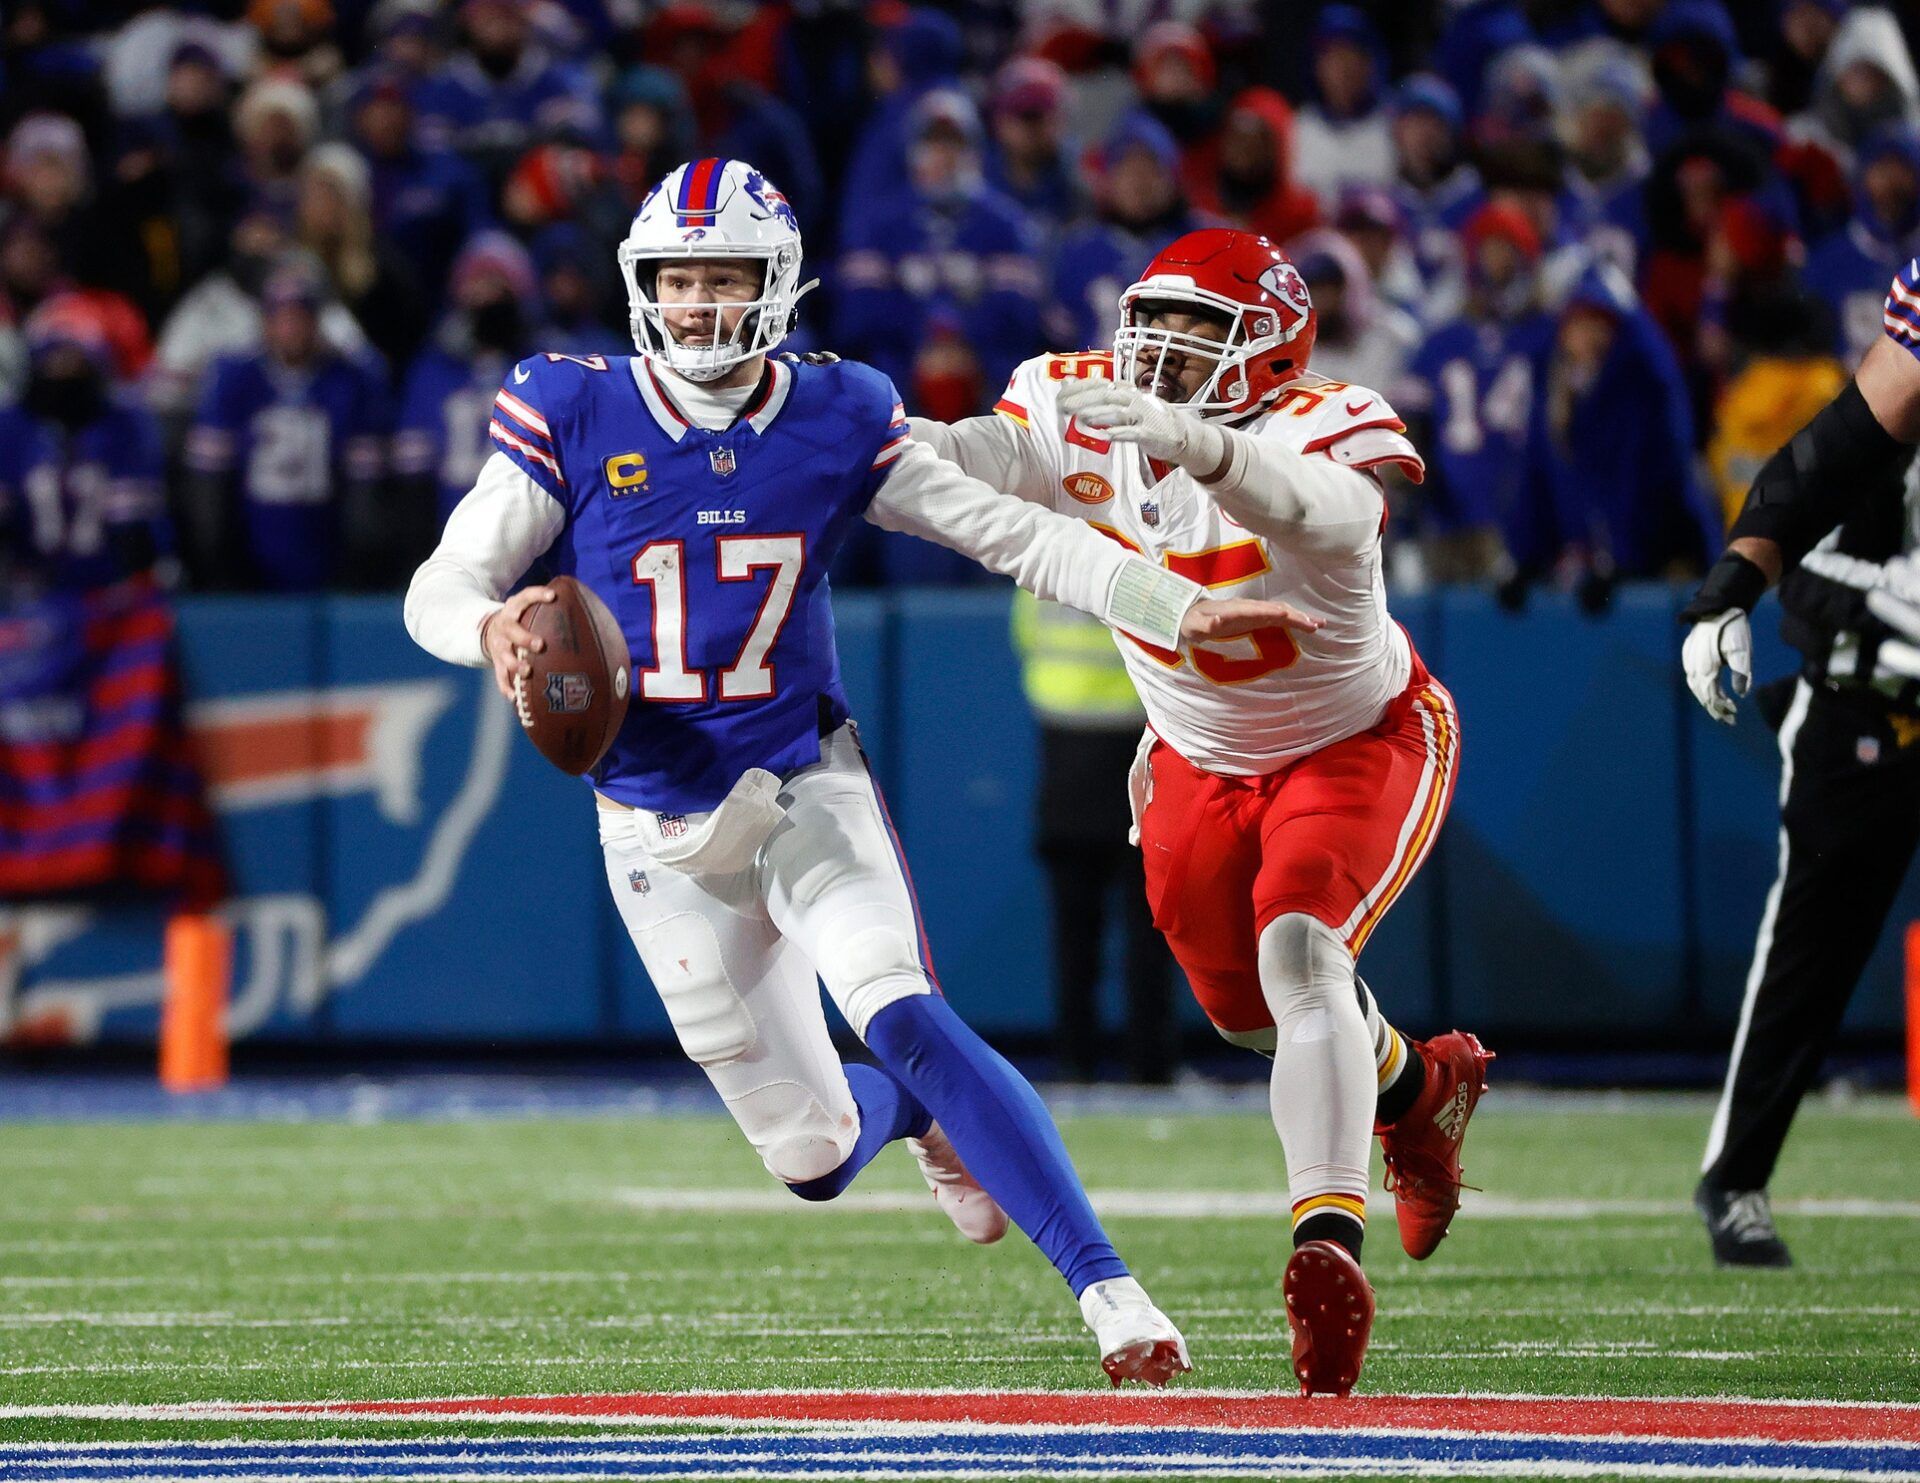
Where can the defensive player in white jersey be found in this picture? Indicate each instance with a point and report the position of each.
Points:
(1293, 780)
(702, 488)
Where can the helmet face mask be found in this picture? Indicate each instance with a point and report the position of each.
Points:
(706, 212)
(1235, 280)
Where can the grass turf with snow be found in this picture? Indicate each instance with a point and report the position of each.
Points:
(150, 1262)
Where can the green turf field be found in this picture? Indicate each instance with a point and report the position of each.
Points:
(170, 1262)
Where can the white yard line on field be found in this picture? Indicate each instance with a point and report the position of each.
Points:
(1214, 1204)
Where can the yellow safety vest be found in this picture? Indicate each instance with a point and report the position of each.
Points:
(1070, 669)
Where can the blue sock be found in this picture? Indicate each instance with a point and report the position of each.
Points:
(999, 1126)
(887, 1111)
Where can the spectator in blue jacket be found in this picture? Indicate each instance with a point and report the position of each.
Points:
(1468, 396)
(948, 244)
(1850, 269)
(1029, 158)
(425, 202)
(1476, 33)
(910, 58)
(501, 88)
(1139, 208)
(1612, 483)
(447, 401)
(1434, 187)
(81, 501)
(286, 456)
(1604, 134)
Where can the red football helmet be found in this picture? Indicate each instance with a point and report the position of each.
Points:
(1270, 318)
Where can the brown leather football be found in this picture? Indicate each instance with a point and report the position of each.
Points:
(575, 699)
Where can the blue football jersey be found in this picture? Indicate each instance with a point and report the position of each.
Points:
(1476, 381)
(64, 495)
(292, 440)
(444, 411)
(711, 549)
(1849, 272)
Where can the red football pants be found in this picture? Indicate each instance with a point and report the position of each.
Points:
(1335, 835)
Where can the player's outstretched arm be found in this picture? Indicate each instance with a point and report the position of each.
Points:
(992, 449)
(1307, 504)
(1061, 559)
(492, 537)
(1854, 444)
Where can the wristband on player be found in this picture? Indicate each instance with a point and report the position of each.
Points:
(1813, 481)
(1734, 582)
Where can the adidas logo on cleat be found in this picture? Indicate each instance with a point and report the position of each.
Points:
(1451, 1119)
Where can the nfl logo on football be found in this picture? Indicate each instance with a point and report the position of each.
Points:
(722, 461)
(569, 694)
(1150, 512)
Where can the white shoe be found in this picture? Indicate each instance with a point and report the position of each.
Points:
(1137, 1340)
(975, 1212)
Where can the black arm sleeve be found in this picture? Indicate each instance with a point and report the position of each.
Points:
(1813, 483)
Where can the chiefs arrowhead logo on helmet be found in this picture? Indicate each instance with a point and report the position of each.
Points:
(1235, 279)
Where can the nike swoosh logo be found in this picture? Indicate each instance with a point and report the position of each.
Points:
(520, 374)
(1353, 411)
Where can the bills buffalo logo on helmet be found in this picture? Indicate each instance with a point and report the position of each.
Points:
(1284, 282)
(568, 694)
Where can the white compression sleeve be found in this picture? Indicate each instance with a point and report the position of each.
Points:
(493, 535)
(1050, 555)
(1324, 1079)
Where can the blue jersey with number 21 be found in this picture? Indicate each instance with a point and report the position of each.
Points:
(711, 548)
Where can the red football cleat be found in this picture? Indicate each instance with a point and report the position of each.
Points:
(1330, 1305)
(1423, 1149)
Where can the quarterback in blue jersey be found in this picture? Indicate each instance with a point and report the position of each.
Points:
(702, 488)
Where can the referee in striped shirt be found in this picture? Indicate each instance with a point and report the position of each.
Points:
(1830, 520)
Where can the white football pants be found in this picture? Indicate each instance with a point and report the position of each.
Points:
(735, 957)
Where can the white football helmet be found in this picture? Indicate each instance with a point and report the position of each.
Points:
(713, 209)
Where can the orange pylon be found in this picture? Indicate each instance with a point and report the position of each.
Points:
(193, 1018)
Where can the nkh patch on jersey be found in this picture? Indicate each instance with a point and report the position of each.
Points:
(711, 548)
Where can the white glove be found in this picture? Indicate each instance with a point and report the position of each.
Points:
(1724, 639)
(1161, 430)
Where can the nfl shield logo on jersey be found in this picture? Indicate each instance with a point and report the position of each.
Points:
(722, 461)
(637, 879)
(1150, 512)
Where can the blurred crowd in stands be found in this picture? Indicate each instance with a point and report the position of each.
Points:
(263, 263)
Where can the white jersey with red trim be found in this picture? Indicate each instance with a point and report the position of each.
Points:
(1242, 706)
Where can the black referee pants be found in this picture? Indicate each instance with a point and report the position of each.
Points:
(1849, 822)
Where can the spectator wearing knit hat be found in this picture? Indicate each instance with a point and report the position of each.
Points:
(1603, 130)
(1178, 82)
(1342, 137)
(1139, 207)
(1612, 487)
(1848, 270)
(1468, 395)
(949, 244)
(287, 454)
(447, 402)
(1434, 186)
(424, 202)
(499, 89)
(1029, 158)
(276, 122)
(46, 176)
(652, 119)
(1362, 339)
(911, 57)
(333, 214)
(296, 40)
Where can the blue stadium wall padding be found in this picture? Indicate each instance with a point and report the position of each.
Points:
(409, 869)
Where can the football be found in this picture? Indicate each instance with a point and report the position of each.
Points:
(574, 700)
